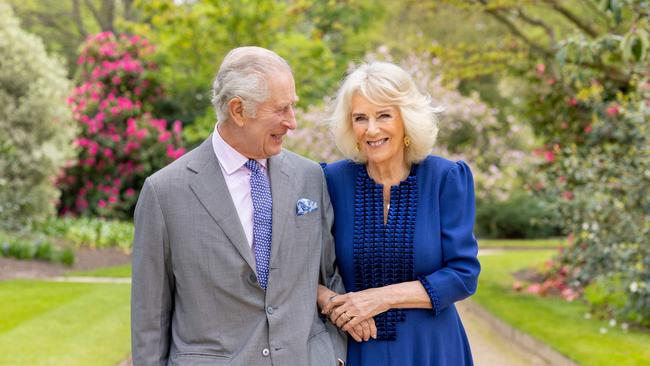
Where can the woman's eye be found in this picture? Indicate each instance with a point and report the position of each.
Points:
(359, 119)
(384, 115)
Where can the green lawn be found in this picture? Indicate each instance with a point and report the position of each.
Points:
(116, 271)
(521, 243)
(47, 323)
(558, 323)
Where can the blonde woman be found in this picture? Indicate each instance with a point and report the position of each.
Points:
(403, 225)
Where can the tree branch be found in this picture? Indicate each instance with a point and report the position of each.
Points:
(572, 18)
(536, 48)
(76, 16)
(536, 22)
(108, 14)
(96, 14)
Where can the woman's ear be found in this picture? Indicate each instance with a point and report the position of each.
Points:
(236, 111)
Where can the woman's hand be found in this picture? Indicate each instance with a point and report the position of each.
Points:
(362, 331)
(349, 310)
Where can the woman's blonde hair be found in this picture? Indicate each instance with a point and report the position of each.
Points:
(385, 84)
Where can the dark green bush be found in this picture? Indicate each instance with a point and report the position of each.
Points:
(26, 248)
(522, 216)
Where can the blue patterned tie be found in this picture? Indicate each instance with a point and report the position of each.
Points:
(262, 220)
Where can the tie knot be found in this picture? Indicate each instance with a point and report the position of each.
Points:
(253, 166)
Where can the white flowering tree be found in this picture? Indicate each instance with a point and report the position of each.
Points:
(35, 125)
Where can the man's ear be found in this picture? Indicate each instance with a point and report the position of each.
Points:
(236, 111)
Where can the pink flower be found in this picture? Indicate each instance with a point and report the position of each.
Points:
(535, 288)
(93, 148)
(112, 199)
(130, 192)
(116, 80)
(177, 127)
(108, 153)
(540, 68)
(573, 102)
(588, 129)
(567, 195)
(142, 133)
(163, 137)
(613, 111)
(569, 295)
(101, 203)
(550, 157)
(174, 153)
(131, 127)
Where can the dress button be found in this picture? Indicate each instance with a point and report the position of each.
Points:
(253, 278)
(269, 310)
(266, 352)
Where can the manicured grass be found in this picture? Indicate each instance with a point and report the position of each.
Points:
(560, 324)
(47, 323)
(115, 271)
(521, 244)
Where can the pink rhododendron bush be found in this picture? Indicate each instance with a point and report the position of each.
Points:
(120, 142)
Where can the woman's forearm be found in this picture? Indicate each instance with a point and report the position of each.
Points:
(405, 295)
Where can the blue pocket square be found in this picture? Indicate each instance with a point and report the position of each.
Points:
(305, 206)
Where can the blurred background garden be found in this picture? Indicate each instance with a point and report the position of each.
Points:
(547, 100)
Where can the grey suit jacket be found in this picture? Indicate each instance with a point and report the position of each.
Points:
(195, 298)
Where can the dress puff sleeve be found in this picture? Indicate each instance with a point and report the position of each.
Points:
(457, 278)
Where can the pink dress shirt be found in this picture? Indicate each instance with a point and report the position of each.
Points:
(237, 178)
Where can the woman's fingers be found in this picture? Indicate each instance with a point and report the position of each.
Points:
(373, 328)
(366, 330)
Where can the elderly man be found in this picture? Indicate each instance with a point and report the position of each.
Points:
(233, 238)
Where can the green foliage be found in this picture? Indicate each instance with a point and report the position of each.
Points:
(590, 107)
(35, 125)
(33, 247)
(521, 216)
(90, 232)
(317, 38)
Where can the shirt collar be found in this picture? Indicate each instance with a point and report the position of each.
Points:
(230, 159)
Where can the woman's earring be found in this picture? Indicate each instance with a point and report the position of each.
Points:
(357, 148)
(407, 141)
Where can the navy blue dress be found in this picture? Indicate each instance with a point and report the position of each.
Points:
(428, 237)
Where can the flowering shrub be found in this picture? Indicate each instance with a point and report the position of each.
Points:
(120, 143)
(36, 129)
(596, 162)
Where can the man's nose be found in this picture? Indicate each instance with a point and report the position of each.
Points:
(290, 121)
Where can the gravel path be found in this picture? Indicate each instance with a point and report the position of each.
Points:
(491, 348)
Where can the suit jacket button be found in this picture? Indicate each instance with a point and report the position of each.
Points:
(269, 310)
(266, 352)
(253, 278)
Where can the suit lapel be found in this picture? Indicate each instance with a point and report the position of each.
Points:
(211, 190)
(283, 205)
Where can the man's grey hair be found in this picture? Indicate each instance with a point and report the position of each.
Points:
(243, 74)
